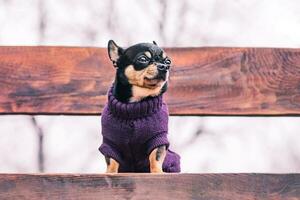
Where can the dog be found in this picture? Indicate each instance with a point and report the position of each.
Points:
(135, 119)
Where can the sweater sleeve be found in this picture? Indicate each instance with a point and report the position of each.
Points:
(108, 150)
(156, 141)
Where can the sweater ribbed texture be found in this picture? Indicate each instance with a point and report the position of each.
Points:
(134, 110)
(132, 130)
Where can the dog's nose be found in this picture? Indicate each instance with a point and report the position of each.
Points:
(162, 67)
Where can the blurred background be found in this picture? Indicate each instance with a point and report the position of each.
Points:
(206, 144)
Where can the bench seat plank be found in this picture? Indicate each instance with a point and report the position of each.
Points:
(149, 186)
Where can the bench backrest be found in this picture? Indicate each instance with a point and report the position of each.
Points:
(204, 81)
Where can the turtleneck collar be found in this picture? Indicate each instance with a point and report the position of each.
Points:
(134, 110)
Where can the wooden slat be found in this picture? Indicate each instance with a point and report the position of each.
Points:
(147, 186)
(204, 81)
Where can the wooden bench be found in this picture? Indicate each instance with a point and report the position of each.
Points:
(204, 81)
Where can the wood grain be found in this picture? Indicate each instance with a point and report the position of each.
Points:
(149, 186)
(204, 81)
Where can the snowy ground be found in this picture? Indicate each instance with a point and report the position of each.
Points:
(206, 144)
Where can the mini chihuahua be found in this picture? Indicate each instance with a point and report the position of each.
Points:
(135, 118)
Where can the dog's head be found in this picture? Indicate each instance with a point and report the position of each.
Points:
(144, 66)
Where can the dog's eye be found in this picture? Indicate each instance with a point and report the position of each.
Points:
(143, 59)
(167, 61)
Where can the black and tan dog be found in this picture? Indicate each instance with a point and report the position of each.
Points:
(142, 73)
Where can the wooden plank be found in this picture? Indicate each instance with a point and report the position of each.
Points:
(204, 81)
(149, 186)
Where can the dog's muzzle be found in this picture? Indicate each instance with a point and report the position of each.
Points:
(163, 68)
(162, 71)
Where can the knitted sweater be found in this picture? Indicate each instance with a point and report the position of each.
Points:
(132, 130)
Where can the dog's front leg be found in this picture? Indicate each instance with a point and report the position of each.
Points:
(112, 165)
(156, 158)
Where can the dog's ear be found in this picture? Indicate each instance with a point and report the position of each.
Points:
(154, 43)
(114, 52)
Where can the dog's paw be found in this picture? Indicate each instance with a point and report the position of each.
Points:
(157, 171)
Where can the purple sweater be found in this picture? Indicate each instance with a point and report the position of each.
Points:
(132, 130)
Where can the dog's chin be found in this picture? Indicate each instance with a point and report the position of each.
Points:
(153, 83)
